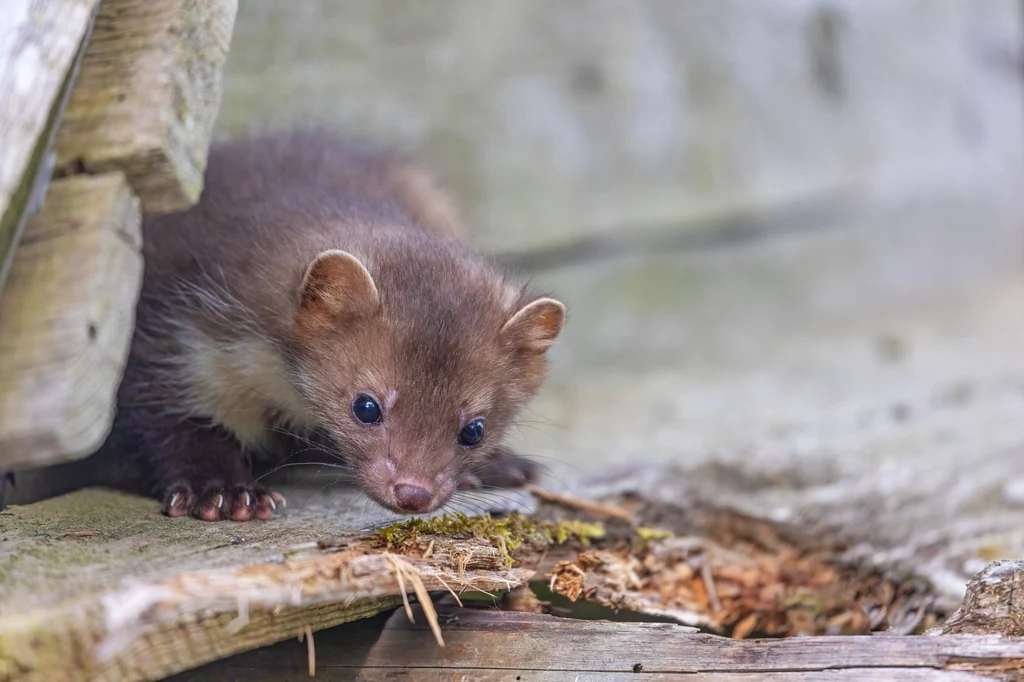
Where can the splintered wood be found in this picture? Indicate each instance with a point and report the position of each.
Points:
(67, 315)
(148, 95)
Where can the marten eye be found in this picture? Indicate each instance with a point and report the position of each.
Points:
(472, 433)
(366, 410)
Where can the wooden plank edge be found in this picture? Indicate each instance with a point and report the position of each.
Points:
(31, 190)
(164, 155)
(82, 417)
(148, 630)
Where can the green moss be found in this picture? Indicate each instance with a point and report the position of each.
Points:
(647, 534)
(506, 533)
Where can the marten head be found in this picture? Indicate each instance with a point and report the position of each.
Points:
(417, 358)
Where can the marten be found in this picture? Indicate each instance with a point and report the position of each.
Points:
(322, 291)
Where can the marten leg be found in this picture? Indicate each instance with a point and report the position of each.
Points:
(503, 468)
(200, 471)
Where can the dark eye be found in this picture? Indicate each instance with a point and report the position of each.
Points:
(472, 433)
(366, 410)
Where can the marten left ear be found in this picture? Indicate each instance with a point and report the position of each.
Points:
(536, 326)
(337, 284)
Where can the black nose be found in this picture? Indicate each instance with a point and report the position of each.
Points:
(412, 498)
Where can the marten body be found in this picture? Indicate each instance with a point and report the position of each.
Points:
(320, 289)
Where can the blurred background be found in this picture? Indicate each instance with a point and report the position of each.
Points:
(789, 233)
(784, 230)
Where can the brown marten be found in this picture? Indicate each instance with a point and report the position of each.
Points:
(320, 290)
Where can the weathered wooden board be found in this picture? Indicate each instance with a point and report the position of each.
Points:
(66, 317)
(148, 95)
(494, 644)
(101, 586)
(138, 595)
(39, 46)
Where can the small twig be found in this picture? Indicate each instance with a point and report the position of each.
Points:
(579, 503)
(81, 534)
(709, 585)
(310, 651)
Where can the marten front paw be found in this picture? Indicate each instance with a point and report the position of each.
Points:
(221, 503)
(503, 469)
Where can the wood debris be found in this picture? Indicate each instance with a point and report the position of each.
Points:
(745, 578)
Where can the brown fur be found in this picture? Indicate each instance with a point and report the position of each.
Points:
(248, 331)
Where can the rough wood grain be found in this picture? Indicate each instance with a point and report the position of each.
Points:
(148, 96)
(39, 42)
(501, 645)
(994, 603)
(66, 317)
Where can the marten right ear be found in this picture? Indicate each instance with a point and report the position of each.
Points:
(337, 284)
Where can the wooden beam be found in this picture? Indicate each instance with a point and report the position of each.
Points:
(66, 317)
(148, 96)
(493, 644)
(535, 646)
(39, 46)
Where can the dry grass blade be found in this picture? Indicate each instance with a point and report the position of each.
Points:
(403, 570)
(310, 651)
(401, 585)
(450, 590)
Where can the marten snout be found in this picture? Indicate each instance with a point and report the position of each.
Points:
(412, 498)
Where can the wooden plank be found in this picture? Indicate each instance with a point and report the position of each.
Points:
(39, 44)
(66, 319)
(148, 96)
(526, 643)
(341, 655)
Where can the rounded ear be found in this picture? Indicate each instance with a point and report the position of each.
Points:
(336, 284)
(536, 326)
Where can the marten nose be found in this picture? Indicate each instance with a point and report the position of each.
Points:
(412, 498)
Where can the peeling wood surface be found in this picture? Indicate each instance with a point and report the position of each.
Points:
(147, 596)
(39, 42)
(492, 644)
(148, 95)
(67, 315)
